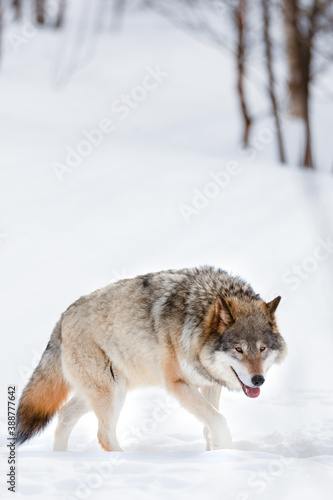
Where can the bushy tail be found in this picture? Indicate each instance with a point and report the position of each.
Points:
(45, 392)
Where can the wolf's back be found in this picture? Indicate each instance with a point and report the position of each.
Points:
(44, 393)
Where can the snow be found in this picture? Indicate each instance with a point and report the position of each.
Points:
(119, 213)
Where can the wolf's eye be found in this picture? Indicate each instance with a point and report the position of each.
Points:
(239, 349)
(262, 348)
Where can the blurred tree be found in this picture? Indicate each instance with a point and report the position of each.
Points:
(223, 23)
(239, 14)
(304, 22)
(300, 31)
(270, 72)
(40, 11)
(17, 7)
(60, 15)
(243, 28)
(117, 14)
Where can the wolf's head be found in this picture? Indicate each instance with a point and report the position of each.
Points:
(242, 342)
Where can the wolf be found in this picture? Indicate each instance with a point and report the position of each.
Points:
(190, 331)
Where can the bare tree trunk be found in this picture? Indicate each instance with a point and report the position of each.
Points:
(299, 54)
(305, 58)
(306, 49)
(290, 8)
(240, 16)
(17, 6)
(40, 11)
(308, 159)
(61, 11)
(271, 79)
(118, 12)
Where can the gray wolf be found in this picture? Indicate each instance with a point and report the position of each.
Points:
(191, 331)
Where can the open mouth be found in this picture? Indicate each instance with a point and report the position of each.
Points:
(250, 392)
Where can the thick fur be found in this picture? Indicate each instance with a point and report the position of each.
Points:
(178, 329)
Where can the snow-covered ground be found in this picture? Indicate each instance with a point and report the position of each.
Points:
(164, 186)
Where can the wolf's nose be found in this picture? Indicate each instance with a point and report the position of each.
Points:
(258, 380)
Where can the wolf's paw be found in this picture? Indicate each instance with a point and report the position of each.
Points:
(226, 445)
(223, 442)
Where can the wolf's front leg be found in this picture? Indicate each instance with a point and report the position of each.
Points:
(212, 394)
(191, 399)
(218, 438)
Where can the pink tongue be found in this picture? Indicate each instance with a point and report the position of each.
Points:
(252, 392)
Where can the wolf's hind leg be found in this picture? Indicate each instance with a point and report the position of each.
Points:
(107, 404)
(102, 385)
(212, 394)
(69, 415)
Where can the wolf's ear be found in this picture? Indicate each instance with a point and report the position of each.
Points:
(223, 313)
(272, 305)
